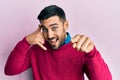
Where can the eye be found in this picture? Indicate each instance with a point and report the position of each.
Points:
(44, 29)
(54, 28)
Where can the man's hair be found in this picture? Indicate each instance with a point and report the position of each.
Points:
(50, 11)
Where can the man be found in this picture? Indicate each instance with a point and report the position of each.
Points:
(53, 55)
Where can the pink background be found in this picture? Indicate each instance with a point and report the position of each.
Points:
(98, 19)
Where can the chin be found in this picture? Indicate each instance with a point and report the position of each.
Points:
(55, 47)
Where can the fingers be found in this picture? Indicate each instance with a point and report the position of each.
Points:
(40, 41)
(82, 43)
(37, 37)
(85, 44)
(41, 45)
(75, 38)
(41, 37)
(74, 45)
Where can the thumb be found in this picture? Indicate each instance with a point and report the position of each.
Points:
(39, 28)
(75, 38)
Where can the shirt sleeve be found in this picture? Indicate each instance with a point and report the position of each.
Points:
(19, 59)
(95, 67)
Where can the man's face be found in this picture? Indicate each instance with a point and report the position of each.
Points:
(54, 31)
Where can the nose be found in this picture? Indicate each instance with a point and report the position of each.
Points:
(50, 34)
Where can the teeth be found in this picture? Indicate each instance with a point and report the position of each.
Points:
(53, 40)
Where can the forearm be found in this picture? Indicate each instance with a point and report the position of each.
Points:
(95, 67)
(17, 58)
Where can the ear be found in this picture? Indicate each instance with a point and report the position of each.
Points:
(66, 25)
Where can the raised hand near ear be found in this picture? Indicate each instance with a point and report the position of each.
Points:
(36, 38)
(82, 43)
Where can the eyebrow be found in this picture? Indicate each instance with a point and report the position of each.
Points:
(50, 25)
(53, 24)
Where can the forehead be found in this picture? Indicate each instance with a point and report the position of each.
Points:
(50, 21)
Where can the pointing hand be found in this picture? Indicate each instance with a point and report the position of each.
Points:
(82, 43)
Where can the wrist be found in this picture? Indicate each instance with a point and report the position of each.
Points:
(91, 53)
(27, 39)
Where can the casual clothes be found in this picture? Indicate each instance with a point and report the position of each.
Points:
(65, 63)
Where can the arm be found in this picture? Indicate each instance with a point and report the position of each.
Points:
(95, 67)
(18, 60)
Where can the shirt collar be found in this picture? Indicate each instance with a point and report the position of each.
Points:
(68, 39)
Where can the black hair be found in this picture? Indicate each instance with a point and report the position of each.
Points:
(50, 11)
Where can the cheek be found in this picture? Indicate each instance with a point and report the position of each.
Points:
(62, 34)
(60, 31)
(59, 34)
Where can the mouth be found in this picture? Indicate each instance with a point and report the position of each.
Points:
(53, 41)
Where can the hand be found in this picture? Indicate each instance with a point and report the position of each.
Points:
(36, 38)
(82, 43)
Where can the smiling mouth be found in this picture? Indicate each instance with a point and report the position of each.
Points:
(53, 41)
